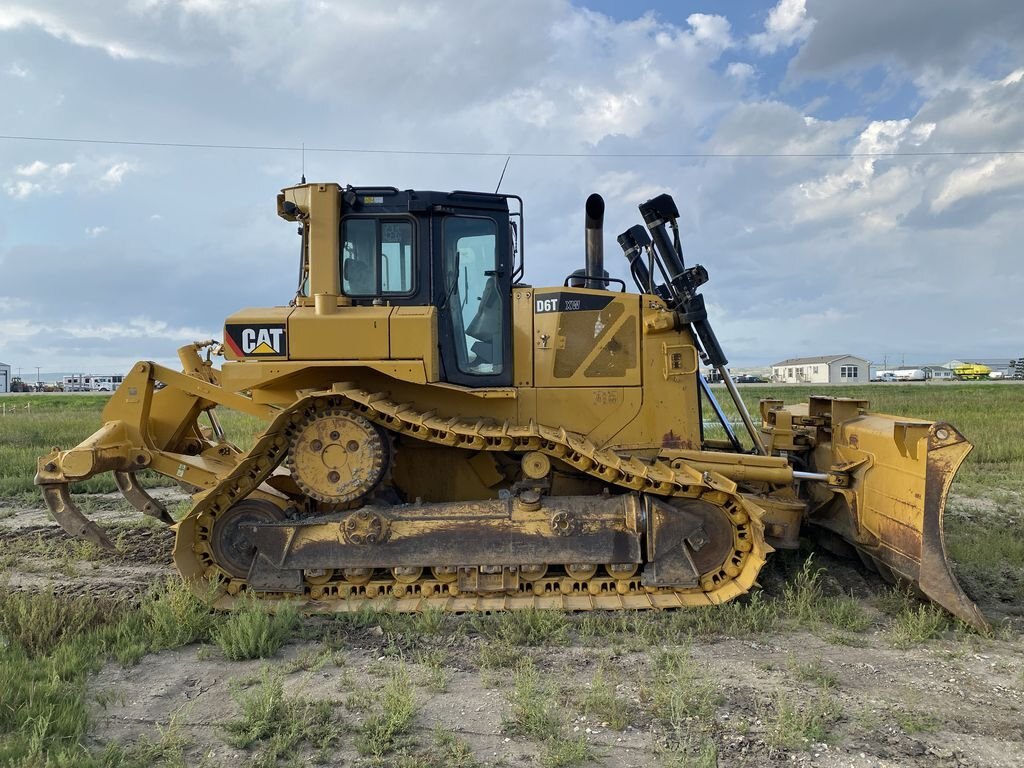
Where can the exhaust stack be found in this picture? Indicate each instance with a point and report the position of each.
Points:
(594, 267)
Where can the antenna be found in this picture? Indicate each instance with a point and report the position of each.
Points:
(502, 177)
(303, 162)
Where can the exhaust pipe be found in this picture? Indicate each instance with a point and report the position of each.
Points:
(594, 267)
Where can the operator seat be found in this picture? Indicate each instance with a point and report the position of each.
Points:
(486, 324)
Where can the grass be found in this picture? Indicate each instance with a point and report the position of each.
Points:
(795, 723)
(535, 713)
(48, 647)
(278, 724)
(681, 694)
(64, 421)
(253, 632)
(387, 727)
(916, 625)
(602, 702)
(531, 627)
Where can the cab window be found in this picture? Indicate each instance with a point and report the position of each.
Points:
(474, 299)
(377, 257)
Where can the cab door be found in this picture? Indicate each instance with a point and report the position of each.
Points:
(472, 295)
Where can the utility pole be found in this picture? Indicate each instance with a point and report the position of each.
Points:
(39, 383)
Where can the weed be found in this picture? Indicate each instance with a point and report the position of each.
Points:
(252, 631)
(915, 721)
(435, 663)
(845, 613)
(533, 710)
(430, 621)
(534, 713)
(801, 597)
(691, 753)
(913, 627)
(51, 645)
(814, 672)
(498, 654)
(795, 724)
(280, 723)
(680, 691)
(167, 750)
(173, 616)
(310, 660)
(38, 622)
(530, 627)
(602, 702)
(383, 731)
(841, 638)
(565, 751)
(454, 752)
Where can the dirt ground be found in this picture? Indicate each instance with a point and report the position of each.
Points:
(954, 701)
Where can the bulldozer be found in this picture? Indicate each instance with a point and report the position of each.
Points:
(440, 433)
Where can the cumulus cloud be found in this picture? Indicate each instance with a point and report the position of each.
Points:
(17, 70)
(786, 25)
(942, 35)
(115, 174)
(95, 231)
(714, 30)
(41, 177)
(740, 71)
(127, 38)
(38, 176)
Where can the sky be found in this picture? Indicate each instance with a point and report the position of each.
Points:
(850, 174)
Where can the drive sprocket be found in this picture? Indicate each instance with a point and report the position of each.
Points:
(338, 456)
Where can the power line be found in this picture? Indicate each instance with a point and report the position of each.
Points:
(548, 155)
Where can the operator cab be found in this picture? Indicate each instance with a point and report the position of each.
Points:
(453, 251)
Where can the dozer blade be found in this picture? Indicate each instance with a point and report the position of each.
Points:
(899, 473)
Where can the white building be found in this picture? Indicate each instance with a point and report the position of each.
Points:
(829, 369)
(5, 378)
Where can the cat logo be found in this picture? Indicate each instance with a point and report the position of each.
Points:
(257, 340)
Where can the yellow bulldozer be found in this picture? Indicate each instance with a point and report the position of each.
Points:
(440, 433)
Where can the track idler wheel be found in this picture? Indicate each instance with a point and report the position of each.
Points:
(232, 547)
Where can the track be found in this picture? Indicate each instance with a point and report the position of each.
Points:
(561, 587)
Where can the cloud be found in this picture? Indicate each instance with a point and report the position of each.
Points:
(115, 174)
(941, 35)
(54, 178)
(713, 30)
(95, 231)
(982, 177)
(786, 25)
(16, 70)
(15, 16)
(740, 71)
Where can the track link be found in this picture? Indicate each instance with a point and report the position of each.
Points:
(193, 551)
